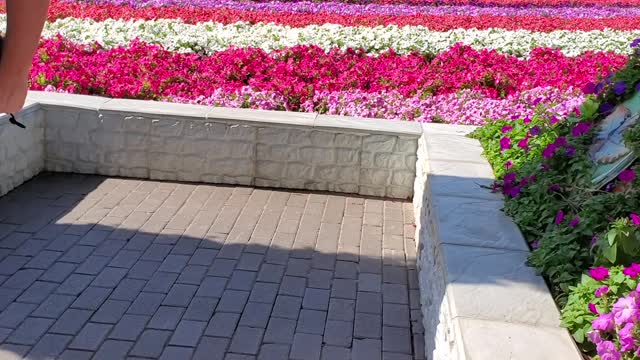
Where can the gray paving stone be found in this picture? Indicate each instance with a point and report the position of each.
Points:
(17, 351)
(151, 343)
(43, 260)
(274, 352)
(125, 259)
(37, 292)
(246, 340)
(129, 327)
(395, 274)
(311, 322)
(74, 284)
(280, 331)
(316, 299)
(176, 352)
(368, 326)
(90, 337)
(174, 263)
(4, 333)
(30, 331)
(58, 272)
(31, 247)
(180, 295)
(161, 282)
(146, 303)
(368, 302)
(15, 313)
(77, 254)
(298, 267)
(22, 279)
(320, 279)
(94, 237)
(395, 293)
(233, 301)
(370, 282)
(222, 267)
(109, 277)
(255, 315)
(166, 318)
(203, 257)
(76, 355)
(271, 273)
(211, 348)
(287, 307)
(343, 288)
(113, 349)
(339, 333)
(222, 324)
(71, 321)
(50, 346)
(11, 264)
(188, 333)
(156, 252)
(366, 349)
(143, 269)
(293, 286)
(395, 339)
(212, 287)
(396, 356)
(140, 242)
(53, 306)
(110, 247)
(192, 274)
(128, 289)
(335, 353)
(306, 347)
(395, 315)
(91, 298)
(264, 293)
(63, 242)
(200, 308)
(241, 280)
(93, 265)
(111, 311)
(7, 296)
(231, 356)
(250, 262)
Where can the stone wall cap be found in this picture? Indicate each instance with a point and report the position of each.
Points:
(366, 125)
(86, 102)
(156, 108)
(287, 118)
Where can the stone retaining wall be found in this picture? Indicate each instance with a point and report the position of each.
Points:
(479, 299)
(229, 146)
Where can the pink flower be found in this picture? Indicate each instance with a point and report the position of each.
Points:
(549, 151)
(580, 129)
(603, 322)
(625, 310)
(594, 336)
(574, 222)
(627, 175)
(592, 308)
(559, 217)
(627, 343)
(505, 129)
(523, 143)
(636, 219)
(505, 143)
(601, 291)
(632, 270)
(599, 273)
(508, 165)
(607, 351)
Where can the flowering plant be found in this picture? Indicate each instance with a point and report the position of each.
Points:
(621, 243)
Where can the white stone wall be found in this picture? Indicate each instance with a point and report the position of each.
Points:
(21, 150)
(479, 299)
(230, 146)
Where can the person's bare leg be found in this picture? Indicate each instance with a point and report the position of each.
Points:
(25, 20)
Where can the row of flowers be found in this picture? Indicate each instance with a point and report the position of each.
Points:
(540, 23)
(333, 7)
(210, 37)
(147, 71)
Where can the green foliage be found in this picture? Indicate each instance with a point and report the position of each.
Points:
(621, 244)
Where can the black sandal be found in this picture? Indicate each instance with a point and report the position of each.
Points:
(15, 122)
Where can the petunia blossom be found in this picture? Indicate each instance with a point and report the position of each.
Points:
(599, 273)
(627, 175)
(601, 291)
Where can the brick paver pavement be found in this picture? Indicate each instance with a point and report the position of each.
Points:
(106, 268)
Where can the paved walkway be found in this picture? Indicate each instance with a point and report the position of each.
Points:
(104, 268)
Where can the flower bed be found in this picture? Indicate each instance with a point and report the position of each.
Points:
(585, 239)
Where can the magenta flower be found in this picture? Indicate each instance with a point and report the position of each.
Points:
(506, 129)
(534, 131)
(632, 270)
(523, 143)
(505, 143)
(592, 308)
(636, 219)
(574, 222)
(603, 322)
(526, 120)
(555, 187)
(559, 217)
(549, 151)
(580, 129)
(509, 178)
(627, 343)
(625, 310)
(599, 273)
(589, 88)
(508, 165)
(607, 351)
(627, 175)
(602, 290)
(561, 141)
(594, 336)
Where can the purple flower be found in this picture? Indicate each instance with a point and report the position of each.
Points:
(589, 89)
(594, 336)
(580, 129)
(625, 310)
(505, 129)
(605, 108)
(607, 351)
(505, 143)
(571, 151)
(636, 219)
(627, 175)
(509, 178)
(574, 222)
(637, 87)
(620, 87)
(594, 241)
(559, 217)
(513, 191)
(555, 187)
(635, 43)
(534, 131)
(535, 244)
(523, 143)
(592, 308)
(549, 151)
(561, 141)
(554, 119)
(603, 322)
(602, 290)
(526, 120)
(632, 270)
(599, 87)
(626, 338)
(508, 165)
(599, 273)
